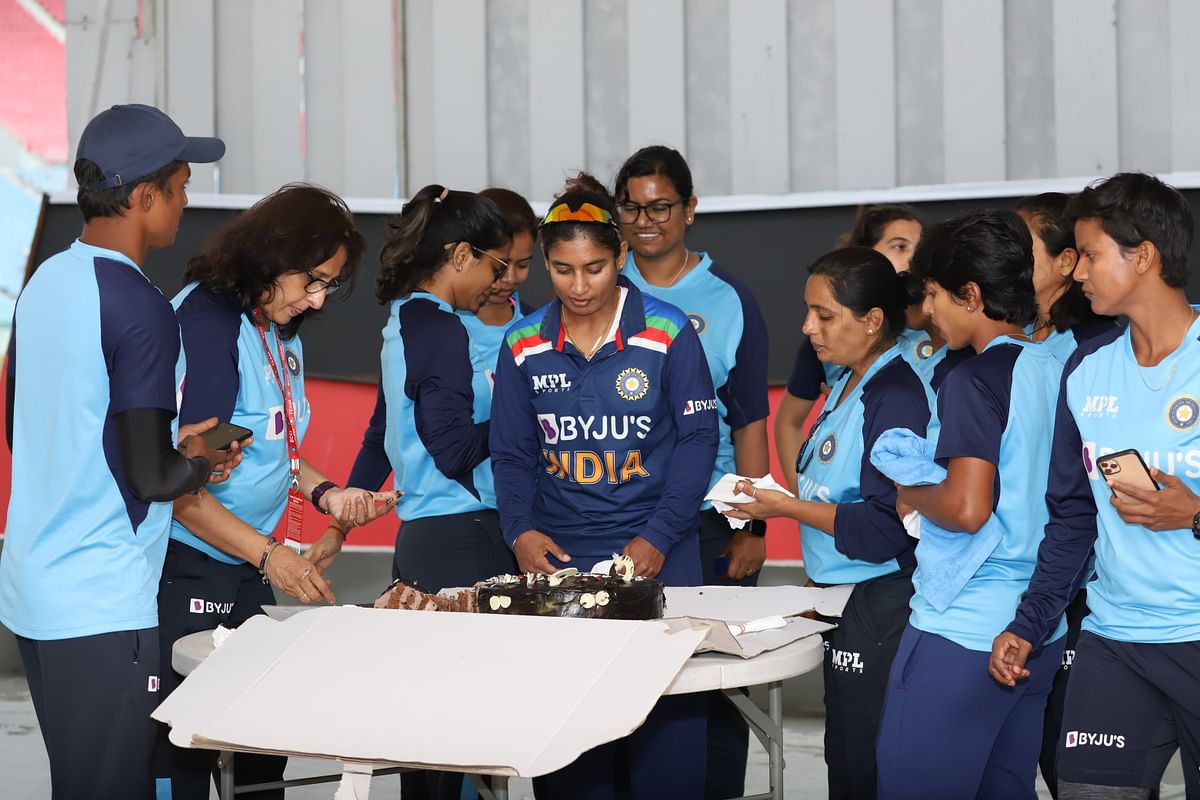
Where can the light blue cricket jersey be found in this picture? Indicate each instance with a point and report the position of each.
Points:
(232, 381)
(82, 555)
(733, 334)
(485, 341)
(835, 467)
(438, 454)
(998, 406)
(1147, 584)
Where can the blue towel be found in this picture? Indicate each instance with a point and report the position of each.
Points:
(947, 559)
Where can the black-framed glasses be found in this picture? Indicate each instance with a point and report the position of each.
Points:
(501, 265)
(658, 211)
(317, 285)
(805, 456)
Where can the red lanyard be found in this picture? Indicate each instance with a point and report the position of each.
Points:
(295, 500)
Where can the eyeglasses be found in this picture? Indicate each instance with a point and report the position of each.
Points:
(587, 212)
(317, 285)
(501, 265)
(805, 456)
(658, 211)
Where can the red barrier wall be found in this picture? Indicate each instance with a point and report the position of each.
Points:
(341, 411)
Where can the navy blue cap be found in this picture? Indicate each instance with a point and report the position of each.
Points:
(132, 141)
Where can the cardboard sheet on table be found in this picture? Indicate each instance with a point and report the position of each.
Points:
(719, 639)
(500, 694)
(744, 603)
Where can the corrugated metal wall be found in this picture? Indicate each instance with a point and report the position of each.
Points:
(375, 98)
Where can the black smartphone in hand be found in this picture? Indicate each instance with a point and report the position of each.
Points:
(225, 434)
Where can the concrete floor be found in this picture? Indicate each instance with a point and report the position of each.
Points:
(25, 770)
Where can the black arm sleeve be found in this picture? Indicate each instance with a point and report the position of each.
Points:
(155, 470)
(10, 388)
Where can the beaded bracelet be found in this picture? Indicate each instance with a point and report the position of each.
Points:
(266, 556)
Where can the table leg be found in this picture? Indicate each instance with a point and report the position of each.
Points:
(498, 791)
(225, 762)
(775, 754)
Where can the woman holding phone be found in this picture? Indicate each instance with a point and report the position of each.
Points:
(249, 291)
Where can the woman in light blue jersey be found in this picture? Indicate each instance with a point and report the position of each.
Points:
(249, 291)
(895, 231)
(656, 206)
(1065, 319)
(947, 730)
(850, 531)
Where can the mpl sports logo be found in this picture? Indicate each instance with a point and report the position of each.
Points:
(554, 382)
(200, 606)
(1100, 405)
(845, 660)
(696, 406)
(1087, 739)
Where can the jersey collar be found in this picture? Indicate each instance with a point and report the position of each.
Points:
(633, 318)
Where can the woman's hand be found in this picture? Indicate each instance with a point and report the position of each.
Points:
(222, 462)
(648, 560)
(531, 548)
(764, 503)
(746, 553)
(326, 549)
(351, 507)
(1170, 508)
(1007, 664)
(295, 575)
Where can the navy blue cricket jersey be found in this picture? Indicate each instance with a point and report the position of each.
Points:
(593, 453)
(82, 555)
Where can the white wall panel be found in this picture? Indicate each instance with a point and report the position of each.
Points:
(657, 87)
(190, 76)
(864, 59)
(812, 95)
(1184, 84)
(758, 75)
(556, 89)
(973, 90)
(1085, 87)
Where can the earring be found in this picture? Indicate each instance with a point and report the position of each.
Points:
(870, 331)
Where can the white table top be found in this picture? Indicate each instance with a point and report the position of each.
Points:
(701, 673)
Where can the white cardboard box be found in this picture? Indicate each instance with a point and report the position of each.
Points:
(497, 694)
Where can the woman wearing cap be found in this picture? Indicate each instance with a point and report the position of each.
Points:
(850, 531)
(655, 206)
(250, 289)
(635, 361)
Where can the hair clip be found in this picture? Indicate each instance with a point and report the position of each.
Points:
(442, 196)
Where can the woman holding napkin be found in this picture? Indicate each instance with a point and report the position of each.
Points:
(947, 729)
(847, 508)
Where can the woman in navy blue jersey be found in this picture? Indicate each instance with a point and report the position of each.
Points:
(947, 730)
(607, 446)
(850, 531)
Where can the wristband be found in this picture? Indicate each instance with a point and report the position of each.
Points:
(319, 492)
(266, 555)
(758, 527)
(1196, 525)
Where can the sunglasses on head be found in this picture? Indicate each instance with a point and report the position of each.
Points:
(587, 212)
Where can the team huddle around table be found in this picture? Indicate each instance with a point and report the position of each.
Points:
(1004, 464)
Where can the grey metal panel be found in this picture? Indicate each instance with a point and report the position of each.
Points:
(920, 121)
(1185, 84)
(556, 82)
(1144, 88)
(606, 91)
(275, 78)
(350, 108)
(100, 35)
(1085, 86)
(190, 80)
(973, 77)
(758, 74)
(1030, 113)
(657, 86)
(418, 94)
(708, 124)
(508, 94)
(864, 59)
(235, 95)
(812, 97)
(460, 94)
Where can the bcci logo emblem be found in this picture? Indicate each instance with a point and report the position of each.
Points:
(1183, 412)
(293, 362)
(632, 384)
(828, 448)
(698, 322)
(925, 349)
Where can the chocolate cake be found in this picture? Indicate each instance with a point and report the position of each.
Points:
(568, 593)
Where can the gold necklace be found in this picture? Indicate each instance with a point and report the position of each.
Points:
(596, 345)
(1174, 366)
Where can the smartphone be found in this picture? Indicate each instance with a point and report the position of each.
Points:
(225, 434)
(1126, 467)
